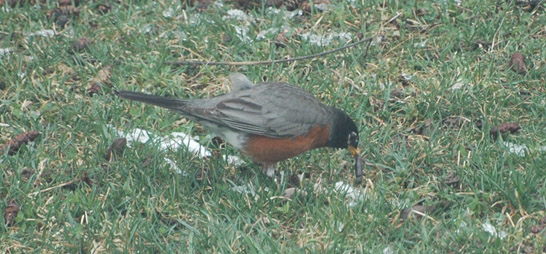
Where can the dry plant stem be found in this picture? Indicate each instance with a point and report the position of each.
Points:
(180, 63)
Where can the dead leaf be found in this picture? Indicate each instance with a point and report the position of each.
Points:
(535, 229)
(15, 3)
(147, 161)
(201, 4)
(202, 174)
(116, 148)
(26, 173)
(103, 8)
(68, 2)
(294, 180)
(11, 212)
(15, 143)
(529, 6)
(405, 79)
(217, 142)
(426, 128)
(397, 93)
(70, 11)
(104, 75)
(452, 179)
(85, 178)
(517, 63)
(482, 44)
(94, 89)
(455, 121)
(504, 128)
(281, 40)
(80, 44)
(305, 6)
(291, 192)
(62, 20)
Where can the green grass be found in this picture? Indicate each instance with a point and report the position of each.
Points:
(72, 200)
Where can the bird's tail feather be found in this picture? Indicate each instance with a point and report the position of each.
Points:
(165, 102)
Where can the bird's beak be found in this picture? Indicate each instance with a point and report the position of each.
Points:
(355, 152)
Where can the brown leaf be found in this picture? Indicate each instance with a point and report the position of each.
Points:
(404, 79)
(116, 148)
(15, 143)
(15, 3)
(11, 212)
(281, 40)
(294, 180)
(426, 128)
(70, 11)
(278, 3)
(517, 63)
(397, 93)
(482, 44)
(217, 142)
(504, 128)
(26, 173)
(94, 89)
(62, 20)
(85, 178)
(305, 6)
(452, 179)
(535, 229)
(455, 121)
(291, 192)
(147, 161)
(80, 44)
(202, 174)
(201, 4)
(104, 75)
(103, 8)
(65, 2)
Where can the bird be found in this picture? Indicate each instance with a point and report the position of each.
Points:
(268, 121)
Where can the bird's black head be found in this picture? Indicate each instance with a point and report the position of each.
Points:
(344, 133)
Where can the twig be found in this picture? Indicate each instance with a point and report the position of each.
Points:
(179, 63)
(51, 188)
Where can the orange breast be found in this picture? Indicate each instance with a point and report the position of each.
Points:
(271, 150)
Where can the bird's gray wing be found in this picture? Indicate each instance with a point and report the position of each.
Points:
(269, 109)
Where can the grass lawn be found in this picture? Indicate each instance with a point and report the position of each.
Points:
(435, 82)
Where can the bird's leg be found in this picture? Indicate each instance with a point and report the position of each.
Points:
(269, 170)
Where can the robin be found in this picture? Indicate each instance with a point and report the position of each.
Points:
(269, 122)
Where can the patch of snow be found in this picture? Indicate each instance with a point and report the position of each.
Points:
(238, 15)
(487, 227)
(44, 33)
(516, 149)
(168, 13)
(242, 33)
(174, 141)
(261, 35)
(244, 189)
(352, 194)
(5, 51)
(388, 250)
(325, 40)
(420, 44)
(175, 167)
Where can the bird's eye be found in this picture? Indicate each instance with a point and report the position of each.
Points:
(353, 139)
